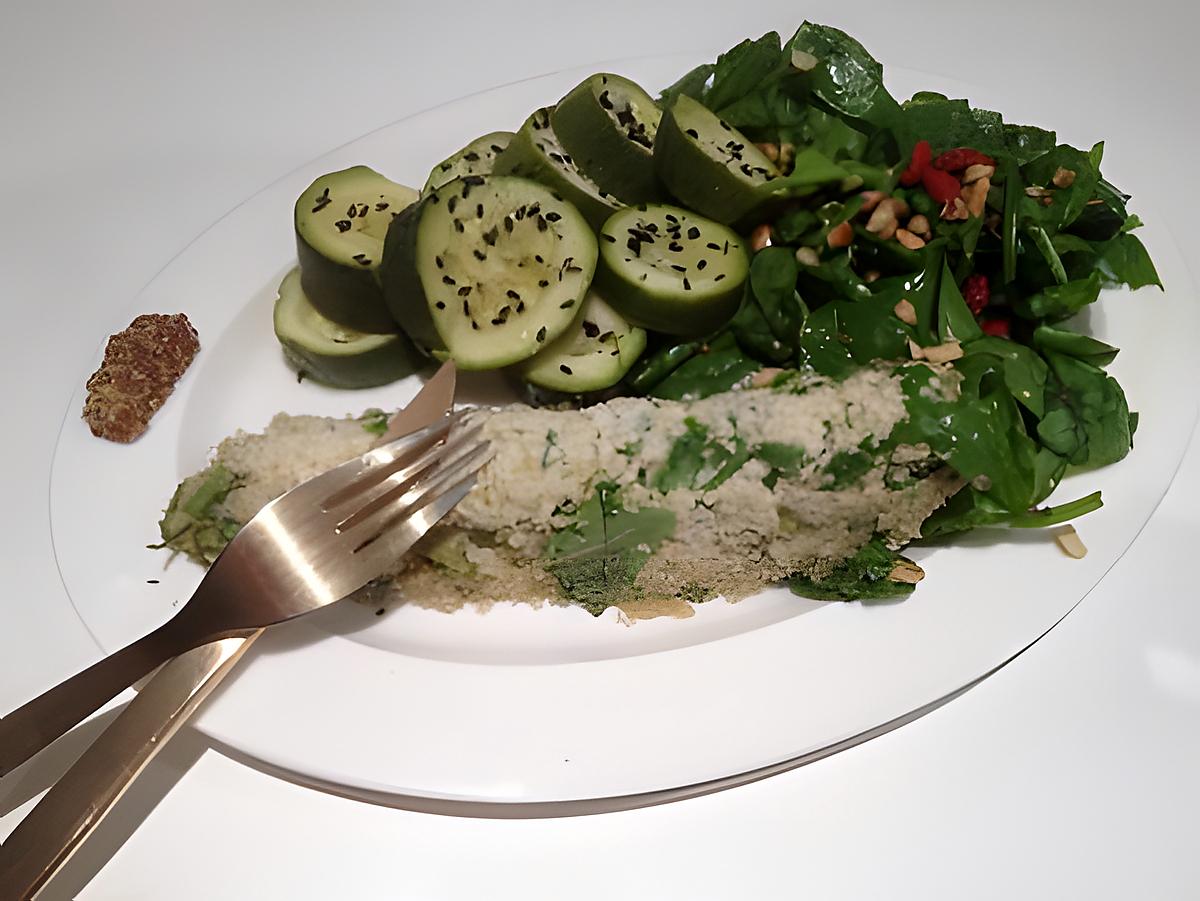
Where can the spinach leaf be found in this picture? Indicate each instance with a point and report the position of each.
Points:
(980, 434)
(693, 85)
(842, 335)
(845, 77)
(1087, 417)
(597, 556)
(1073, 344)
(846, 469)
(970, 509)
(698, 462)
(1065, 203)
(949, 123)
(1059, 301)
(710, 371)
(773, 274)
(955, 320)
(743, 69)
(811, 170)
(1124, 261)
(755, 336)
(653, 367)
(786, 461)
(1024, 371)
(1045, 246)
(866, 575)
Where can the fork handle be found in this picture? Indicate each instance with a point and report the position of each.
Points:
(33, 726)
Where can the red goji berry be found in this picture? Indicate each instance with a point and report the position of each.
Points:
(921, 155)
(941, 186)
(997, 328)
(976, 292)
(960, 158)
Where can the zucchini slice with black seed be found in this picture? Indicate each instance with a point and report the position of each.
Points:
(536, 153)
(594, 353)
(671, 270)
(341, 220)
(477, 158)
(708, 164)
(332, 354)
(607, 124)
(488, 269)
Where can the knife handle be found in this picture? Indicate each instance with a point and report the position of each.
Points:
(37, 723)
(49, 834)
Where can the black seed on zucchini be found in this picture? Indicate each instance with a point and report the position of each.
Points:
(594, 353)
(519, 290)
(709, 165)
(339, 242)
(476, 159)
(672, 289)
(326, 352)
(607, 126)
(536, 153)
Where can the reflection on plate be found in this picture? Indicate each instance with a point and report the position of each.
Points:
(525, 705)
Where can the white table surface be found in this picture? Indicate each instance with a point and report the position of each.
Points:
(127, 128)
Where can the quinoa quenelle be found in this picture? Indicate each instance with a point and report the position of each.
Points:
(631, 501)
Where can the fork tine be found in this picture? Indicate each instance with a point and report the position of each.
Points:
(405, 503)
(377, 494)
(375, 466)
(373, 554)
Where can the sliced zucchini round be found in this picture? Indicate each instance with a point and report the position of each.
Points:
(333, 354)
(536, 153)
(708, 164)
(594, 353)
(488, 269)
(341, 220)
(607, 124)
(477, 158)
(668, 269)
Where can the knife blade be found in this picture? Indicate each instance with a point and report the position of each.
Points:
(74, 806)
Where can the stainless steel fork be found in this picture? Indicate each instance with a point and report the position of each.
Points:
(314, 545)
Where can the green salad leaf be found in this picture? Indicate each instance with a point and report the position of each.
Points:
(597, 556)
(866, 575)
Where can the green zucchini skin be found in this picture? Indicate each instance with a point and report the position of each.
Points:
(402, 289)
(536, 153)
(339, 253)
(685, 276)
(331, 354)
(719, 188)
(488, 270)
(607, 124)
(477, 158)
(348, 297)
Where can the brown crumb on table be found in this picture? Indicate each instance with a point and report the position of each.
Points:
(141, 366)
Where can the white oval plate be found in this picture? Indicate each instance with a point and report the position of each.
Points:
(525, 705)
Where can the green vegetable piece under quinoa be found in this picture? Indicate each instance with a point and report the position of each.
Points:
(192, 523)
(875, 572)
(597, 556)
